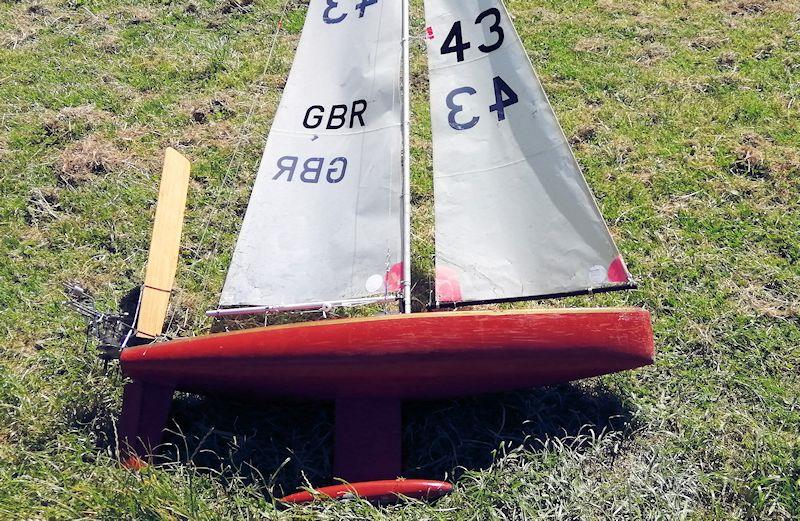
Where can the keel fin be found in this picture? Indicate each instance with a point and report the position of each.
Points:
(162, 261)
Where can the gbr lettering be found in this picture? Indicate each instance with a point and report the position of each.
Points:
(315, 170)
(337, 116)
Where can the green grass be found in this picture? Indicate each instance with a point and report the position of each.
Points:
(684, 116)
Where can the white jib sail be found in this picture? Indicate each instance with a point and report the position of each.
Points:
(324, 219)
(514, 216)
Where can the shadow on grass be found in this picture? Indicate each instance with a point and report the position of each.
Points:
(440, 440)
(286, 445)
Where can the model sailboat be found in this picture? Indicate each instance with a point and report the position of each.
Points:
(328, 225)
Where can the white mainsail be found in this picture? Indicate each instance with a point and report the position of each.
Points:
(514, 216)
(324, 219)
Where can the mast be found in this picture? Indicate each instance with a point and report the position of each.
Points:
(406, 163)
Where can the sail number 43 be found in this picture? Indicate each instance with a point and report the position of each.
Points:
(454, 42)
(504, 95)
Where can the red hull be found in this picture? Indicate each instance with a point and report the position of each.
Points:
(420, 356)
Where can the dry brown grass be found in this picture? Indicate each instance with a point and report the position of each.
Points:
(652, 53)
(87, 158)
(748, 7)
(68, 121)
(137, 15)
(763, 300)
(750, 157)
(707, 42)
(221, 134)
(592, 44)
(727, 61)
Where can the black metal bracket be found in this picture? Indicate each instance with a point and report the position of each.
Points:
(109, 331)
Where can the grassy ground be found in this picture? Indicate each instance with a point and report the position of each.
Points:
(684, 115)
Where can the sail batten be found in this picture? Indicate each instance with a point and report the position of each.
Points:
(515, 219)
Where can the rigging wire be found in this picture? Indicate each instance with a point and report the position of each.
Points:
(237, 146)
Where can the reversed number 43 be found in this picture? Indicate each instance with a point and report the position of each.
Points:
(504, 96)
(334, 14)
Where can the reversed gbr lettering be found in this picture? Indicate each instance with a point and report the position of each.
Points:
(311, 170)
(337, 117)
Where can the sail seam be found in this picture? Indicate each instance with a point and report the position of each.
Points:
(517, 161)
(465, 62)
(318, 134)
(362, 135)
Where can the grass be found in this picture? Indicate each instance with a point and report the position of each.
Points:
(684, 116)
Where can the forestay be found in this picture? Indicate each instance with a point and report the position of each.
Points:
(324, 219)
(514, 216)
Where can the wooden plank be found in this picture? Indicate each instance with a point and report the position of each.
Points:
(162, 261)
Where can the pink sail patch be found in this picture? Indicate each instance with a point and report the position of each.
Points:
(394, 278)
(617, 272)
(448, 288)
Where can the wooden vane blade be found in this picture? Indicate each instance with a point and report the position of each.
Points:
(162, 261)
